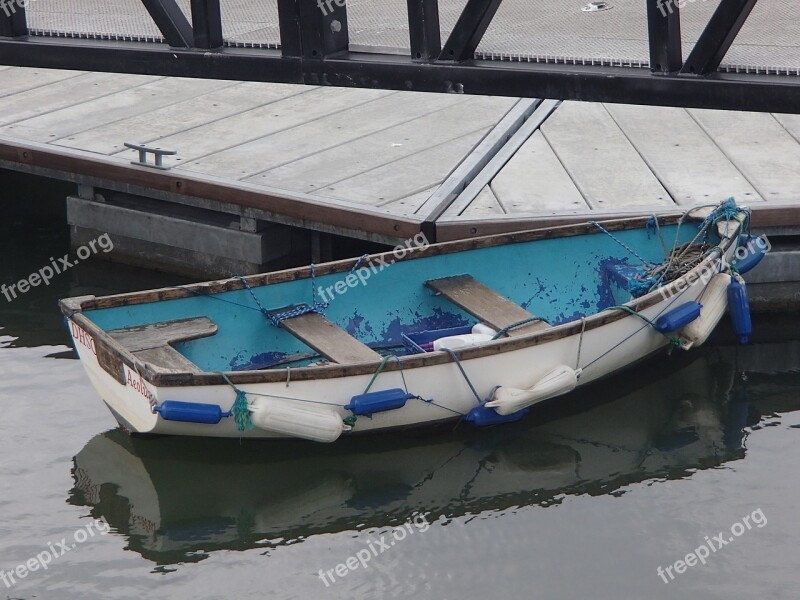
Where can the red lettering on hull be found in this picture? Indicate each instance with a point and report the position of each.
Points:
(83, 338)
(139, 386)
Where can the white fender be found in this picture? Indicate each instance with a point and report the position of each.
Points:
(715, 303)
(461, 341)
(557, 381)
(308, 421)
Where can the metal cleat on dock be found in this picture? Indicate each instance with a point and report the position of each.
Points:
(159, 154)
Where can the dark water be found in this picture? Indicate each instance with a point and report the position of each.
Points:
(584, 499)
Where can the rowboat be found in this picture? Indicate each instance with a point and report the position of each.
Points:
(477, 330)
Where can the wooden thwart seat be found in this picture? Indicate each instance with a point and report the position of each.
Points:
(485, 304)
(330, 340)
(152, 343)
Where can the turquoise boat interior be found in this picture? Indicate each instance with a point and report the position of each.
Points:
(558, 279)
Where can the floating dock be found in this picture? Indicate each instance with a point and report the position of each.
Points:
(270, 175)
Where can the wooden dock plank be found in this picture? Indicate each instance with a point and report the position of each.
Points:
(65, 93)
(791, 123)
(20, 79)
(160, 126)
(484, 303)
(410, 204)
(335, 130)
(394, 180)
(765, 153)
(672, 144)
(604, 165)
(306, 105)
(172, 118)
(331, 341)
(326, 171)
(534, 180)
(484, 205)
(138, 100)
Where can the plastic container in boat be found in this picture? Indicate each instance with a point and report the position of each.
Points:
(740, 309)
(715, 303)
(307, 421)
(678, 317)
(483, 329)
(423, 341)
(189, 412)
(559, 380)
(462, 341)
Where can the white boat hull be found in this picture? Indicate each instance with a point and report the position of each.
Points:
(603, 350)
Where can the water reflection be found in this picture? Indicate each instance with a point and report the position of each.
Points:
(177, 499)
(33, 319)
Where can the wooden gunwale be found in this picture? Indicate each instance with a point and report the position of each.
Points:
(73, 308)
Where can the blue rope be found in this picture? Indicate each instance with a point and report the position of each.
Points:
(317, 305)
(361, 259)
(263, 310)
(278, 318)
(464, 373)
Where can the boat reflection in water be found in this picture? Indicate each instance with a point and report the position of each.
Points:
(176, 499)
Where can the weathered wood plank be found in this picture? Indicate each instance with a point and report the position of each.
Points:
(155, 335)
(121, 105)
(485, 204)
(64, 93)
(20, 79)
(167, 359)
(172, 118)
(410, 203)
(484, 303)
(397, 179)
(686, 161)
(301, 107)
(760, 148)
(326, 173)
(604, 165)
(331, 341)
(337, 130)
(534, 180)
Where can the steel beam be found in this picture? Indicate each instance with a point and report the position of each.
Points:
(469, 29)
(664, 33)
(13, 22)
(731, 91)
(207, 24)
(323, 27)
(171, 22)
(289, 22)
(423, 28)
(718, 36)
